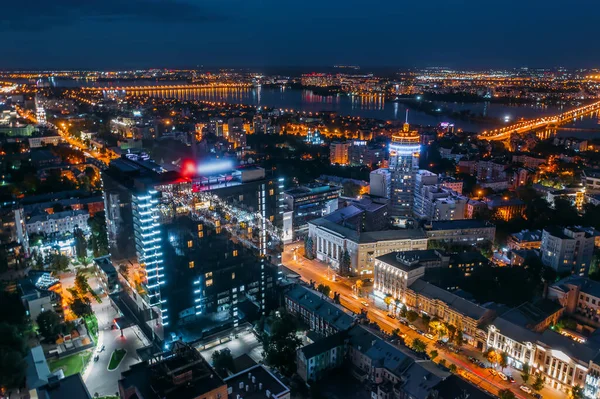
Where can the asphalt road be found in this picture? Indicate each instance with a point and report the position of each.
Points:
(320, 273)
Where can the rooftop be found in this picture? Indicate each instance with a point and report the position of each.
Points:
(454, 301)
(71, 387)
(527, 235)
(585, 285)
(529, 314)
(458, 224)
(409, 260)
(324, 344)
(316, 303)
(255, 382)
(56, 216)
(455, 387)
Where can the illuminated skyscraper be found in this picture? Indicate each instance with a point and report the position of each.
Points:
(40, 112)
(403, 166)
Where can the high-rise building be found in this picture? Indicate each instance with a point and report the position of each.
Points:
(338, 152)
(236, 132)
(403, 166)
(201, 244)
(40, 112)
(380, 183)
(215, 126)
(568, 249)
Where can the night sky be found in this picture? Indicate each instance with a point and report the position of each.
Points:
(238, 33)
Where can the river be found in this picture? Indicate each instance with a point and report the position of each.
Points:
(369, 107)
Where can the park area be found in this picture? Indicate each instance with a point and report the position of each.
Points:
(71, 364)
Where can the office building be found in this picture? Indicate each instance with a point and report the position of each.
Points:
(199, 242)
(568, 249)
(310, 202)
(59, 223)
(236, 132)
(424, 181)
(526, 239)
(360, 153)
(380, 183)
(215, 126)
(403, 165)
(179, 373)
(581, 298)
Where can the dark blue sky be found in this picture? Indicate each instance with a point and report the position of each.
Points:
(236, 33)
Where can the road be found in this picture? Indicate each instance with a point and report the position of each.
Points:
(321, 274)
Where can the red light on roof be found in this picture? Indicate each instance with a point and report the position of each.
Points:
(188, 168)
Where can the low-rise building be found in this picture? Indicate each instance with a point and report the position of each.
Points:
(255, 382)
(58, 223)
(311, 202)
(317, 311)
(467, 262)
(316, 359)
(580, 297)
(465, 232)
(107, 273)
(526, 239)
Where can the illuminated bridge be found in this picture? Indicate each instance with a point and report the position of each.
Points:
(529, 125)
(168, 87)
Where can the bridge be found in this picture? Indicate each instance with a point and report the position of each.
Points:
(539, 123)
(168, 87)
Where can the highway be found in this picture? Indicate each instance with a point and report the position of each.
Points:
(321, 274)
(529, 125)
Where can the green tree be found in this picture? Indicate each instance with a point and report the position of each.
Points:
(350, 189)
(503, 360)
(99, 235)
(280, 347)
(433, 354)
(81, 283)
(81, 306)
(80, 243)
(60, 263)
(453, 368)
(223, 361)
(426, 319)
(538, 383)
(525, 373)
(577, 392)
(345, 263)
(403, 311)
(411, 315)
(418, 345)
(49, 324)
(506, 394)
(458, 338)
(309, 248)
(442, 362)
(13, 349)
(324, 289)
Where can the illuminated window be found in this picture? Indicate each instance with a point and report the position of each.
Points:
(209, 283)
(200, 227)
(207, 275)
(233, 276)
(271, 192)
(190, 244)
(235, 252)
(218, 230)
(200, 234)
(191, 265)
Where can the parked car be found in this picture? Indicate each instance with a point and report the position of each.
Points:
(366, 305)
(412, 327)
(503, 376)
(493, 372)
(510, 379)
(525, 389)
(537, 396)
(429, 336)
(391, 316)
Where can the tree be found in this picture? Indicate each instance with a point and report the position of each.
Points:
(577, 392)
(388, 301)
(81, 283)
(403, 311)
(345, 262)
(223, 361)
(506, 394)
(493, 356)
(503, 360)
(49, 324)
(411, 315)
(60, 263)
(525, 373)
(280, 347)
(81, 306)
(539, 382)
(350, 189)
(80, 243)
(451, 331)
(442, 362)
(458, 338)
(433, 354)
(324, 289)
(13, 349)
(99, 235)
(309, 250)
(12, 310)
(426, 319)
(418, 345)
(453, 368)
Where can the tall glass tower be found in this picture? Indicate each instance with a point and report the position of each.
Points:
(403, 165)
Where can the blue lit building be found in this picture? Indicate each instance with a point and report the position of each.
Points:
(201, 246)
(403, 166)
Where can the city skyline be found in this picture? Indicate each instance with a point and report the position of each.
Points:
(141, 33)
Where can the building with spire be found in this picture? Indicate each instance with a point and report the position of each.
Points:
(403, 166)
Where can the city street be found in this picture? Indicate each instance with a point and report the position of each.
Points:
(246, 343)
(321, 274)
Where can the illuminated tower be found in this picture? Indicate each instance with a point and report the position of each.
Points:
(40, 113)
(403, 166)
